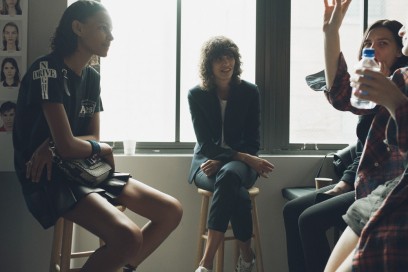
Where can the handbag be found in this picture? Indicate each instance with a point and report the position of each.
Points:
(90, 171)
(343, 158)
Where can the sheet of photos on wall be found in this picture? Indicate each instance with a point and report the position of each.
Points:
(13, 60)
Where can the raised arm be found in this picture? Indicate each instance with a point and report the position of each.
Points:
(332, 20)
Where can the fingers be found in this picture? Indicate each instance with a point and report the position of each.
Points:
(384, 68)
(33, 171)
(264, 174)
(266, 168)
(206, 168)
(35, 167)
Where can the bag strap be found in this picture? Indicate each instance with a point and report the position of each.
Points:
(321, 165)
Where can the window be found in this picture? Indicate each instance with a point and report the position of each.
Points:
(312, 119)
(145, 79)
(153, 62)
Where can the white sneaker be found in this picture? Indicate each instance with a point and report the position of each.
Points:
(203, 269)
(243, 266)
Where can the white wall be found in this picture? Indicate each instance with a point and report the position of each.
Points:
(25, 246)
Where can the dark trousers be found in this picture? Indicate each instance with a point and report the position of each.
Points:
(230, 201)
(306, 223)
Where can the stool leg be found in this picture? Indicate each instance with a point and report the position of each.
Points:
(220, 258)
(236, 252)
(257, 237)
(66, 246)
(56, 246)
(202, 229)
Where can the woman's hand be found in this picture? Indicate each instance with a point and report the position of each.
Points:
(376, 87)
(261, 166)
(42, 157)
(334, 14)
(340, 188)
(384, 69)
(210, 167)
(107, 154)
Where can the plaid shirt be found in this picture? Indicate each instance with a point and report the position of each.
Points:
(375, 166)
(383, 245)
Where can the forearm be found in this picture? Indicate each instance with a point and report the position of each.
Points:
(331, 56)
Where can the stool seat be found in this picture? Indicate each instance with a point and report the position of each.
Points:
(202, 235)
(61, 252)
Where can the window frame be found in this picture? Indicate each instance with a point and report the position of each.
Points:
(272, 77)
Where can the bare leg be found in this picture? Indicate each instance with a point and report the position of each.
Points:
(122, 237)
(347, 264)
(213, 241)
(343, 251)
(163, 211)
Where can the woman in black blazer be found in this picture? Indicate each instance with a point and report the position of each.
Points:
(225, 112)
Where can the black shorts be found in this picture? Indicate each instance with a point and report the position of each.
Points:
(49, 200)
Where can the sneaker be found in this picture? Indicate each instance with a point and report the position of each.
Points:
(129, 268)
(203, 269)
(243, 266)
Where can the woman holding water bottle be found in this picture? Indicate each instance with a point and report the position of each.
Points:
(306, 220)
(384, 157)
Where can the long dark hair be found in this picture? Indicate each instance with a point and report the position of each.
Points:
(16, 79)
(12, 24)
(64, 42)
(394, 27)
(5, 10)
(214, 48)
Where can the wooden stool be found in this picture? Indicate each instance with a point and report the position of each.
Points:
(202, 235)
(61, 252)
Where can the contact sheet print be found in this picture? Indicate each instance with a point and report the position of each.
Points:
(13, 60)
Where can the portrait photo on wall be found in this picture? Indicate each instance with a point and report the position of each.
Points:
(13, 61)
(10, 74)
(11, 38)
(7, 113)
(10, 8)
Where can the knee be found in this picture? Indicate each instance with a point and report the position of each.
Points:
(227, 178)
(127, 240)
(291, 211)
(173, 214)
(176, 211)
(307, 220)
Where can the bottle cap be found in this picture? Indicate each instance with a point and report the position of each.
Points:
(369, 52)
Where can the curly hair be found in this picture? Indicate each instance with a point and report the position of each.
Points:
(393, 26)
(213, 49)
(65, 41)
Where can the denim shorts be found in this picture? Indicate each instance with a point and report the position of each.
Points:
(362, 209)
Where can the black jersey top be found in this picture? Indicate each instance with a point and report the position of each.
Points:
(44, 81)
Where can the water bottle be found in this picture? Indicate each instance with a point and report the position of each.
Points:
(367, 61)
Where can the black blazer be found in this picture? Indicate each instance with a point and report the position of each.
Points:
(241, 124)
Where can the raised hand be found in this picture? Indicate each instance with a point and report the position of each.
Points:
(334, 14)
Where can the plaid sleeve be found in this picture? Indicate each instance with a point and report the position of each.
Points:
(339, 94)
